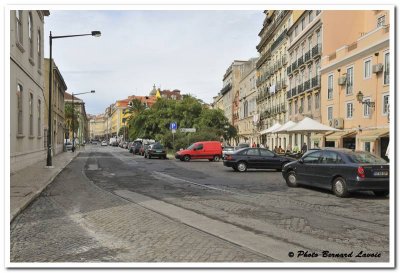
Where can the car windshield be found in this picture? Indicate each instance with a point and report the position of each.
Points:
(190, 147)
(157, 146)
(365, 157)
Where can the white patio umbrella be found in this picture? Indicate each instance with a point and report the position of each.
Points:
(284, 127)
(270, 129)
(308, 126)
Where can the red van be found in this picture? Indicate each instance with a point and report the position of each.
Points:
(210, 150)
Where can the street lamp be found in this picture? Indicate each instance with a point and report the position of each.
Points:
(360, 97)
(95, 33)
(73, 117)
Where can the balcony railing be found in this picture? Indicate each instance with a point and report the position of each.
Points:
(316, 51)
(278, 40)
(307, 57)
(270, 29)
(316, 81)
(226, 89)
(294, 91)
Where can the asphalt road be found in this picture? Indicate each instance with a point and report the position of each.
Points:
(109, 205)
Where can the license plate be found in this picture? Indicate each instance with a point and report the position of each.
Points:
(381, 173)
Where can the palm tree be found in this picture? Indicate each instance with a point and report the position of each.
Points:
(136, 107)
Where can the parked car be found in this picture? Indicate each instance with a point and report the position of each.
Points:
(155, 150)
(104, 143)
(242, 145)
(129, 146)
(341, 171)
(255, 158)
(136, 148)
(210, 150)
(227, 150)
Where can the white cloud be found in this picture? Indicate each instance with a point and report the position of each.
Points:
(186, 50)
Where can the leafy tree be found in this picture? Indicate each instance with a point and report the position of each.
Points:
(68, 114)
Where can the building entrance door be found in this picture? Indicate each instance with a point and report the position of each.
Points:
(349, 143)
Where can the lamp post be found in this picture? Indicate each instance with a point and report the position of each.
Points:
(73, 117)
(360, 97)
(51, 37)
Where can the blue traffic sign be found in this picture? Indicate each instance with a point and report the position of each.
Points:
(172, 126)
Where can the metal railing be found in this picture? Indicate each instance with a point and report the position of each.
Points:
(316, 51)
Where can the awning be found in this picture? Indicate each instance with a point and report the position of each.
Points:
(372, 135)
(270, 129)
(338, 135)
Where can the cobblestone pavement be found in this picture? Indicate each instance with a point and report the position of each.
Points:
(90, 222)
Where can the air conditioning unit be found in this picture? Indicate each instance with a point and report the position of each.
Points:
(331, 123)
(342, 80)
(377, 68)
(338, 123)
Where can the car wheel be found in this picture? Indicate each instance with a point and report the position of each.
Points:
(381, 193)
(241, 166)
(291, 179)
(186, 158)
(216, 158)
(339, 187)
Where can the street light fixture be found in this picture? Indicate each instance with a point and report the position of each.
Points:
(73, 117)
(360, 97)
(95, 33)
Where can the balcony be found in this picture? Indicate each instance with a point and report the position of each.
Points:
(263, 58)
(294, 92)
(307, 85)
(226, 88)
(316, 81)
(316, 51)
(307, 57)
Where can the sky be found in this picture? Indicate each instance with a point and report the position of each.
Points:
(185, 50)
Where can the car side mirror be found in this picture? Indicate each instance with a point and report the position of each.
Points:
(301, 161)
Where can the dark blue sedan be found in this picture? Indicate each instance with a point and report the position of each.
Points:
(255, 158)
(341, 171)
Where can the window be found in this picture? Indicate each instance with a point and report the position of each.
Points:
(318, 12)
(303, 23)
(367, 146)
(290, 108)
(381, 21)
(253, 152)
(301, 109)
(18, 16)
(30, 34)
(310, 16)
(330, 112)
(317, 101)
(295, 107)
(39, 117)
(385, 106)
(330, 157)
(309, 44)
(349, 81)
(386, 70)
(296, 30)
(367, 69)
(39, 49)
(367, 109)
(318, 37)
(19, 108)
(312, 158)
(309, 102)
(30, 114)
(330, 87)
(349, 110)
(267, 153)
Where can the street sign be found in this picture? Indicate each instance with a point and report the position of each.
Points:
(188, 130)
(173, 131)
(172, 126)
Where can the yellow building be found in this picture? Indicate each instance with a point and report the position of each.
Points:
(355, 87)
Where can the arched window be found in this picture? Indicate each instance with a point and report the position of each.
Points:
(18, 16)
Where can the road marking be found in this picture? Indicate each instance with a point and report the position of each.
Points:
(160, 175)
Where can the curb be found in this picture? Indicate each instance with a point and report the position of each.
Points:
(40, 190)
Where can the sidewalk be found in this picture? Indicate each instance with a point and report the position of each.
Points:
(28, 183)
